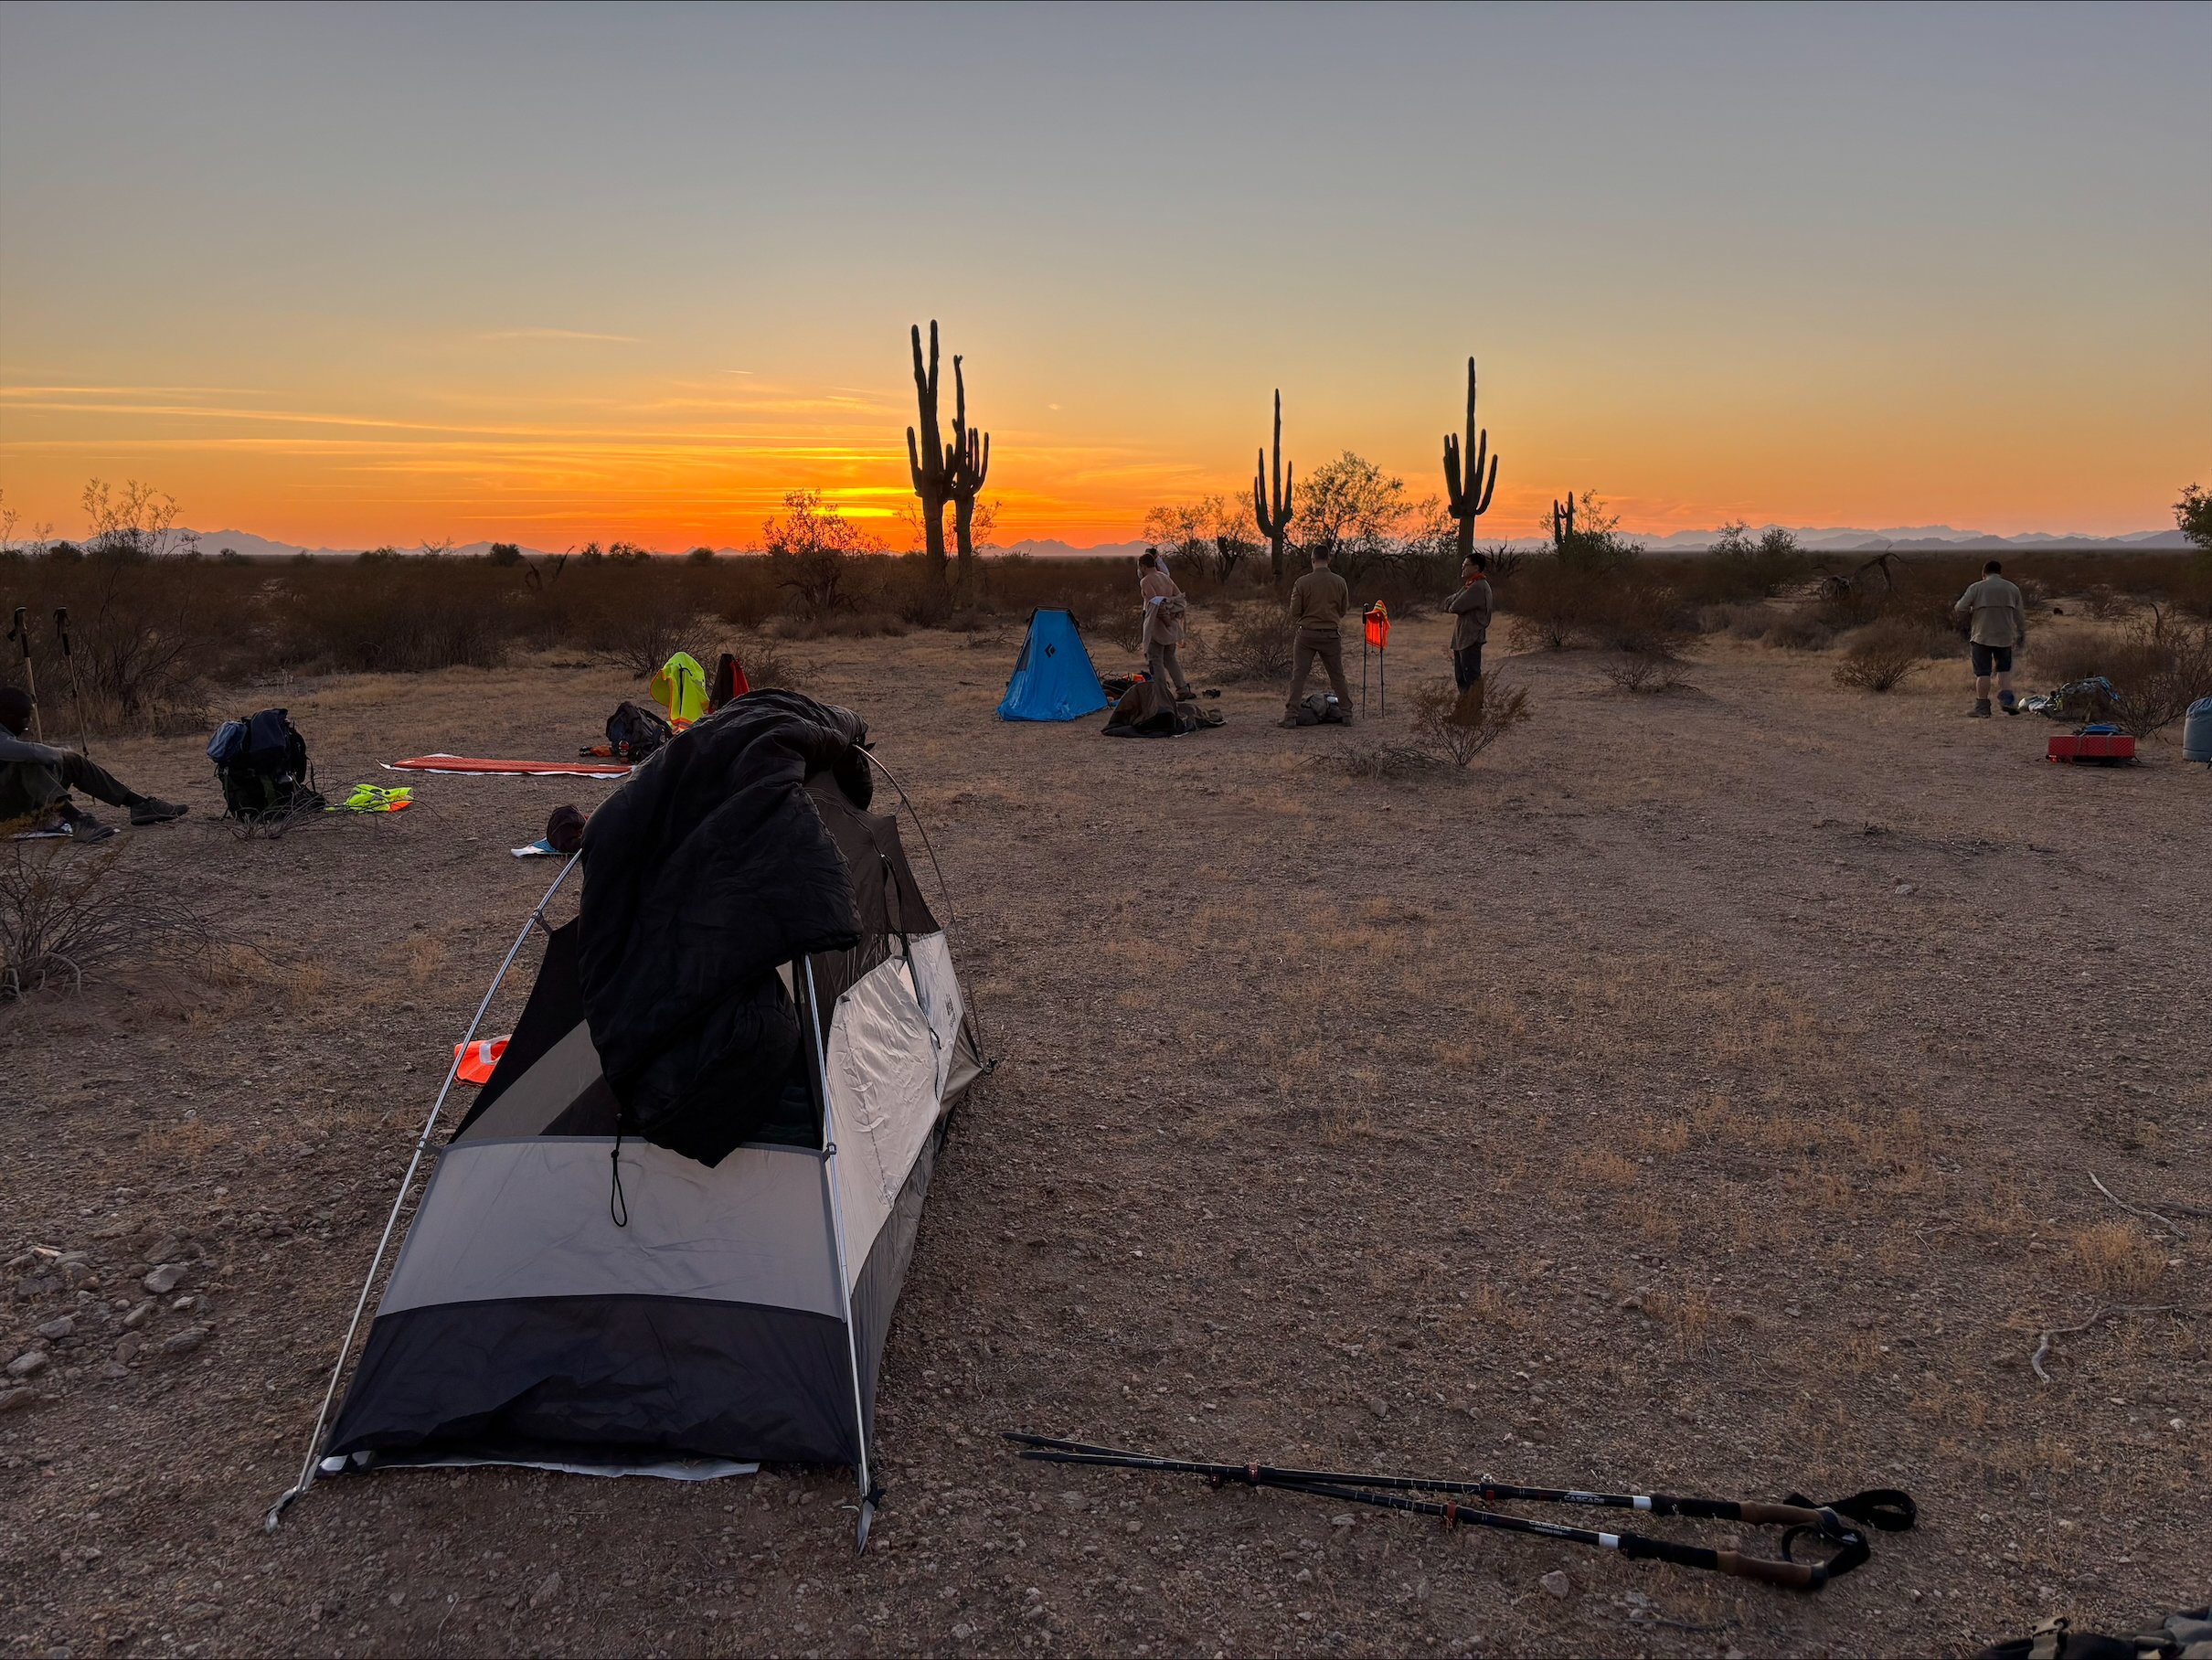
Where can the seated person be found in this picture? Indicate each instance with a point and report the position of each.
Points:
(35, 779)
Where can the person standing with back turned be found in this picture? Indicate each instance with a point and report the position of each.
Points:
(1318, 601)
(1999, 628)
(1470, 608)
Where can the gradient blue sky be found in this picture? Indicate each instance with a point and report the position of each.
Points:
(342, 274)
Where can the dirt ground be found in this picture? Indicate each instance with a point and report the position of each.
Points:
(1701, 1093)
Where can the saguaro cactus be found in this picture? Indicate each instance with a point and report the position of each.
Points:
(1468, 498)
(1273, 512)
(1562, 522)
(968, 463)
(929, 457)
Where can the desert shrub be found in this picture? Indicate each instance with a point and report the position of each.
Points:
(1882, 655)
(1646, 671)
(1736, 566)
(1381, 761)
(1250, 642)
(66, 913)
(1458, 725)
(1557, 605)
(2157, 665)
(398, 616)
(841, 625)
(1801, 628)
(649, 623)
(767, 666)
(147, 634)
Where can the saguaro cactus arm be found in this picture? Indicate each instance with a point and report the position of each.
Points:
(970, 453)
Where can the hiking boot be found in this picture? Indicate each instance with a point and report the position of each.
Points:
(84, 828)
(151, 809)
(1289, 720)
(2008, 703)
(1980, 710)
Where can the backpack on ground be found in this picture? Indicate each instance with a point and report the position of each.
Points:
(636, 729)
(1321, 708)
(262, 764)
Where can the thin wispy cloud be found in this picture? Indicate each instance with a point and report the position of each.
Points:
(559, 334)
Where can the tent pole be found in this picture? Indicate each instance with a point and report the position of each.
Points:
(422, 1142)
(844, 1279)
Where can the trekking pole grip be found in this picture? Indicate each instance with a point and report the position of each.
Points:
(1779, 1515)
(1795, 1576)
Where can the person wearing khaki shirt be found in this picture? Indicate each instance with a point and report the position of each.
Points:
(1318, 603)
(1471, 610)
(1999, 628)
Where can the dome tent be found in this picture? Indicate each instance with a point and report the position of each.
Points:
(670, 1242)
(1053, 678)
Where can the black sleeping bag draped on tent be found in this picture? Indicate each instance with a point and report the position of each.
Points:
(706, 870)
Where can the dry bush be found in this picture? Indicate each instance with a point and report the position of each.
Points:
(2158, 666)
(1647, 672)
(1882, 655)
(67, 911)
(388, 614)
(1458, 725)
(1801, 628)
(1381, 761)
(1250, 642)
(2118, 1257)
(657, 618)
(765, 666)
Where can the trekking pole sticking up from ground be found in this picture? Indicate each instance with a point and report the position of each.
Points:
(20, 631)
(1885, 1508)
(61, 631)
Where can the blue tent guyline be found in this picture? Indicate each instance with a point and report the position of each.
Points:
(1053, 680)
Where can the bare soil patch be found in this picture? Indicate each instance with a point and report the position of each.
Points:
(1699, 1093)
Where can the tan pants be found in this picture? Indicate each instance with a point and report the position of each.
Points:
(1164, 667)
(1329, 648)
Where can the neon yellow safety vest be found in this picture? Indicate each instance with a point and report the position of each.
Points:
(679, 686)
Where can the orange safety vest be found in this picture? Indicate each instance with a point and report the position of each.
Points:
(483, 1058)
(1379, 626)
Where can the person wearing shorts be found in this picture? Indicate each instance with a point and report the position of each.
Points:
(1999, 627)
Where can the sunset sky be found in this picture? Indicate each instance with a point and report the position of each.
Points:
(343, 275)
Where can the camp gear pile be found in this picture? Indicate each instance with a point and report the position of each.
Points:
(1149, 710)
(571, 1297)
(262, 764)
(1839, 1526)
(1053, 678)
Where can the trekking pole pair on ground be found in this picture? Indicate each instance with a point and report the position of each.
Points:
(20, 632)
(1840, 1524)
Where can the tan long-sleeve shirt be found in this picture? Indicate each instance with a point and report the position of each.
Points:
(1318, 601)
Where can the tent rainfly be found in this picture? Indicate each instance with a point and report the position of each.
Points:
(1053, 678)
(575, 1293)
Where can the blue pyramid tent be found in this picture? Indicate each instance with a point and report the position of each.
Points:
(1054, 679)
